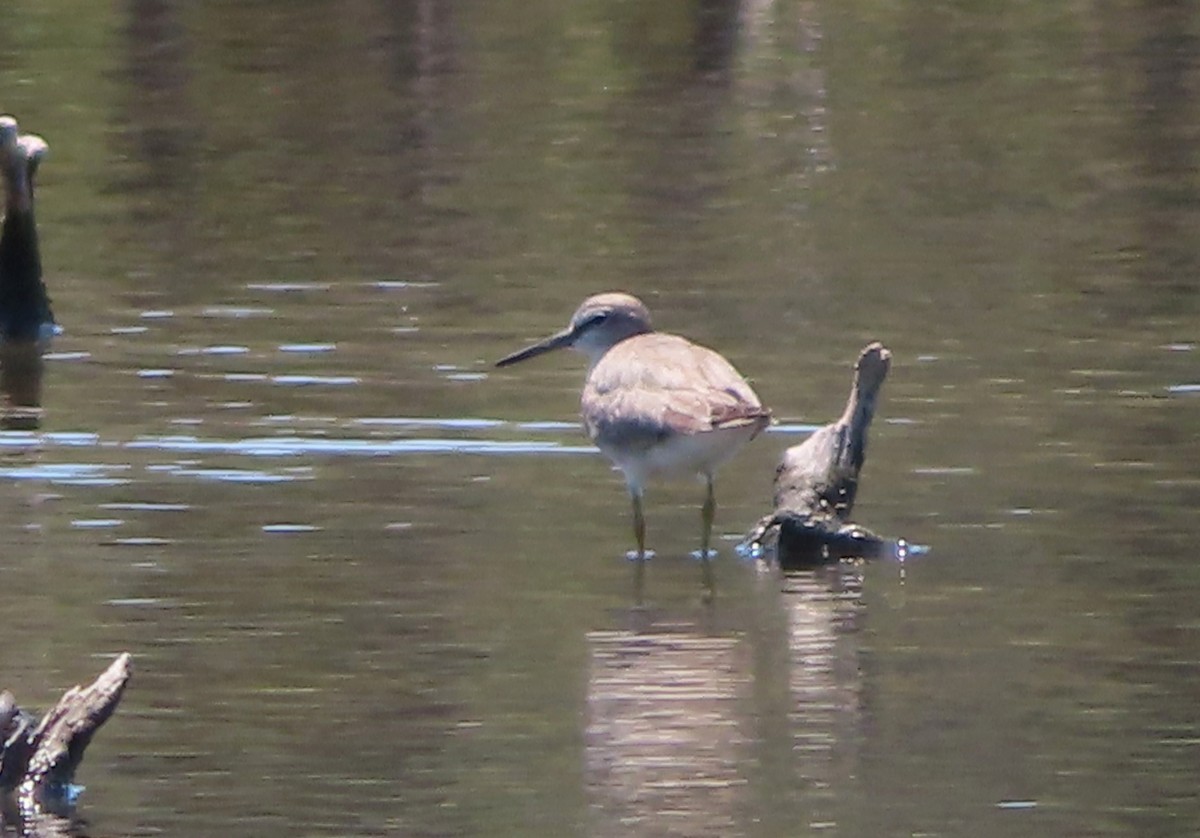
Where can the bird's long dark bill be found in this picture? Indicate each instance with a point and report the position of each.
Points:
(557, 341)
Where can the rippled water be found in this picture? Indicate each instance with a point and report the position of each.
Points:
(373, 586)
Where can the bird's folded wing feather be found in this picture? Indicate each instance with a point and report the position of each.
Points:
(655, 385)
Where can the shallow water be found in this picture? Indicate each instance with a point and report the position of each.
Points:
(373, 586)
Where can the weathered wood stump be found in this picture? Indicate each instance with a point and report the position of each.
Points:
(26, 321)
(816, 482)
(38, 758)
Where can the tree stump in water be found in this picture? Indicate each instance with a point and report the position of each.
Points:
(26, 321)
(816, 482)
(38, 758)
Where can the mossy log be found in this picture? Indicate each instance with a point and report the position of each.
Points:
(39, 758)
(817, 481)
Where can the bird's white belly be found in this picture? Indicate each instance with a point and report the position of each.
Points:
(679, 455)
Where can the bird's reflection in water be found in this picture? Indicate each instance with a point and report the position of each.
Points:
(664, 748)
(21, 368)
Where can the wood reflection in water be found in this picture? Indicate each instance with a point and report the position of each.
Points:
(21, 368)
(823, 609)
(663, 740)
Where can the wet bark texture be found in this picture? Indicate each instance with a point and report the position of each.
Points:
(39, 758)
(817, 481)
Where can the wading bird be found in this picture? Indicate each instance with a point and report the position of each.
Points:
(655, 404)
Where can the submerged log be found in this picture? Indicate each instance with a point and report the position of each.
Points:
(39, 758)
(817, 481)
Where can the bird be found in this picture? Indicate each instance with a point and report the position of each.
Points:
(655, 404)
(25, 314)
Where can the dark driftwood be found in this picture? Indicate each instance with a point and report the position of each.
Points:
(26, 321)
(39, 759)
(816, 481)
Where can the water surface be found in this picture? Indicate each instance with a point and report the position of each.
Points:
(373, 586)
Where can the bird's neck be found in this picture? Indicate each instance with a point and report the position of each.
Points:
(594, 356)
(595, 350)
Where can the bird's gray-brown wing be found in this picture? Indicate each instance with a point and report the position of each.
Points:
(652, 386)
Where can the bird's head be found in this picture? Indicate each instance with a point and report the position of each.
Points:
(600, 322)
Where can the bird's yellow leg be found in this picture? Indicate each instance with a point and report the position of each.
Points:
(639, 532)
(639, 526)
(707, 512)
